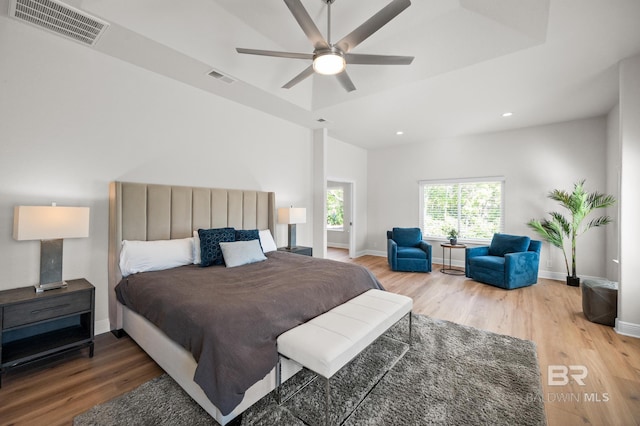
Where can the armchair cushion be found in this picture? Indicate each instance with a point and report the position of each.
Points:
(407, 237)
(502, 244)
(411, 253)
(495, 263)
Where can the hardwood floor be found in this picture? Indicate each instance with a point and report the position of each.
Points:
(548, 313)
(52, 393)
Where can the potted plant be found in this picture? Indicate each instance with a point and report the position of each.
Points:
(580, 204)
(452, 234)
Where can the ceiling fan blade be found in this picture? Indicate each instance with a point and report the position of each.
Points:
(364, 59)
(298, 78)
(345, 81)
(307, 24)
(372, 24)
(277, 54)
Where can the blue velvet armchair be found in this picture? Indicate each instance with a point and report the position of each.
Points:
(406, 251)
(511, 261)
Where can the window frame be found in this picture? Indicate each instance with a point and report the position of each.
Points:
(452, 181)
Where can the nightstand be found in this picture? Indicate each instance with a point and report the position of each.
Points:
(38, 325)
(305, 251)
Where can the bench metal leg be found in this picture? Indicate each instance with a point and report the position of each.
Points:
(327, 402)
(410, 325)
(278, 380)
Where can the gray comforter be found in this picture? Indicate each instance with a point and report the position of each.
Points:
(229, 318)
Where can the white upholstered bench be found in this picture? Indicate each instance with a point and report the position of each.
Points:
(329, 341)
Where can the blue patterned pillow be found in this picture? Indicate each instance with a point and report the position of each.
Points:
(247, 234)
(210, 240)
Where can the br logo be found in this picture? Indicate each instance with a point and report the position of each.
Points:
(559, 374)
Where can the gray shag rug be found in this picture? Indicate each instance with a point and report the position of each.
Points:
(451, 375)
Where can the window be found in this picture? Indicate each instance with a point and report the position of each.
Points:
(474, 207)
(335, 209)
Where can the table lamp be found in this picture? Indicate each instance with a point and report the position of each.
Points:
(50, 224)
(291, 216)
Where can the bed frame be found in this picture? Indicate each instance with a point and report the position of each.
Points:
(148, 212)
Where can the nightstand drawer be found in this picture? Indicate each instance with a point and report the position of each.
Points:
(50, 307)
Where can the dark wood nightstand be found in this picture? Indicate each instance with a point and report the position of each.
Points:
(305, 251)
(37, 325)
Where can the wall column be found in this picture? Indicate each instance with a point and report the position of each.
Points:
(628, 321)
(320, 141)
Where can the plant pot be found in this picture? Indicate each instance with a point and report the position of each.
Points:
(453, 241)
(573, 281)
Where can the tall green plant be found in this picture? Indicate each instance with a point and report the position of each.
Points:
(580, 204)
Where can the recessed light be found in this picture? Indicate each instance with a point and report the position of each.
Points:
(399, 133)
(507, 114)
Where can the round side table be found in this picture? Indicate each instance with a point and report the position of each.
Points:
(450, 270)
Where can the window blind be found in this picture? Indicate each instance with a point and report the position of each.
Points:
(473, 207)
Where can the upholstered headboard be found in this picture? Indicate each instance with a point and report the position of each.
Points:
(148, 212)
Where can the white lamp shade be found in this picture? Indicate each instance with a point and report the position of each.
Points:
(292, 215)
(50, 222)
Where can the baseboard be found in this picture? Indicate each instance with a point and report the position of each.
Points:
(627, 328)
(338, 245)
(551, 275)
(102, 326)
(561, 276)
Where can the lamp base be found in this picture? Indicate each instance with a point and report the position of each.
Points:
(41, 288)
(50, 266)
(51, 261)
(291, 236)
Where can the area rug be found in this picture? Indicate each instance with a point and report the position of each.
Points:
(450, 375)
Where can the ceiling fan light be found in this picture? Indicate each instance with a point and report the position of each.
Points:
(329, 64)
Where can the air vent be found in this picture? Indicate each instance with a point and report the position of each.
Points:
(59, 18)
(220, 76)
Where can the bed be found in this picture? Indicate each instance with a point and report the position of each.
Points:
(146, 212)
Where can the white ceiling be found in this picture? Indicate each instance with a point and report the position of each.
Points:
(544, 60)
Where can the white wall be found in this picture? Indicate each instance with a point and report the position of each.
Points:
(72, 120)
(319, 179)
(628, 321)
(533, 160)
(613, 188)
(349, 163)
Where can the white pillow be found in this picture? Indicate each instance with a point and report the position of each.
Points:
(197, 258)
(142, 256)
(267, 241)
(242, 253)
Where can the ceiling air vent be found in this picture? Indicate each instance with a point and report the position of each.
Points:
(219, 76)
(59, 18)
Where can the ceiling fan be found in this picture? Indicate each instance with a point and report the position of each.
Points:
(332, 59)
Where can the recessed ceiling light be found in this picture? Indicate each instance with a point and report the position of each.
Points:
(507, 114)
(399, 133)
